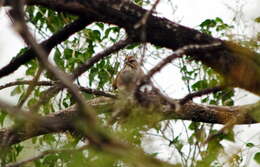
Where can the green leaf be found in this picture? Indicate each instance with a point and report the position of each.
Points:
(250, 145)
(58, 59)
(16, 91)
(199, 85)
(132, 46)
(93, 35)
(67, 53)
(49, 139)
(31, 102)
(139, 2)
(194, 125)
(93, 72)
(219, 20)
(22, 51)
(96, 35)
(31, 67)
(108, 30)
(177, 143)
(34, 140)
(228, 102)
(257, 157)
(50, 159)
(229, 136)
(2, 117)
(257, 20)
(18, 148)
(208, 23)
(100, 25)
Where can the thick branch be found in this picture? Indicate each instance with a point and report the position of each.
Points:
(59, 122)
(63, 120)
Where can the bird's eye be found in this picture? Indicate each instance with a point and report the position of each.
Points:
(131, 61)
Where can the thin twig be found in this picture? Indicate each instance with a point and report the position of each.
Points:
(200, 93)
(144, 19)
(96, 92)
(142, 23)
(178, 53)
(26, 82)
(50, 83)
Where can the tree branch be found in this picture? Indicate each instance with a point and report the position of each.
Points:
(200, 93)
(50, 83)
(97, 92)
(63, 120)
(27, 82)
(48, 44)
(178, 53)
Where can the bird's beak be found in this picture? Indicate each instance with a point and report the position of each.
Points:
(129, 64)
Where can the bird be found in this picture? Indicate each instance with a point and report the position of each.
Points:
(129, 75)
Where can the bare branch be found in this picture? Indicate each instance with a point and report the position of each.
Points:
(142, 24)
(27, 82)
(201, 93)
(63, 120)
(97, 92)
(178, 53)
(50, 83)
(236, 119)
(143, 21)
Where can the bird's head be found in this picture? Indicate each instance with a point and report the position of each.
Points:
(131, 61)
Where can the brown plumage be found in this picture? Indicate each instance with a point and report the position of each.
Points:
(127, 78)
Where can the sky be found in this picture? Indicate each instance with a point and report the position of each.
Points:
(189, 13)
